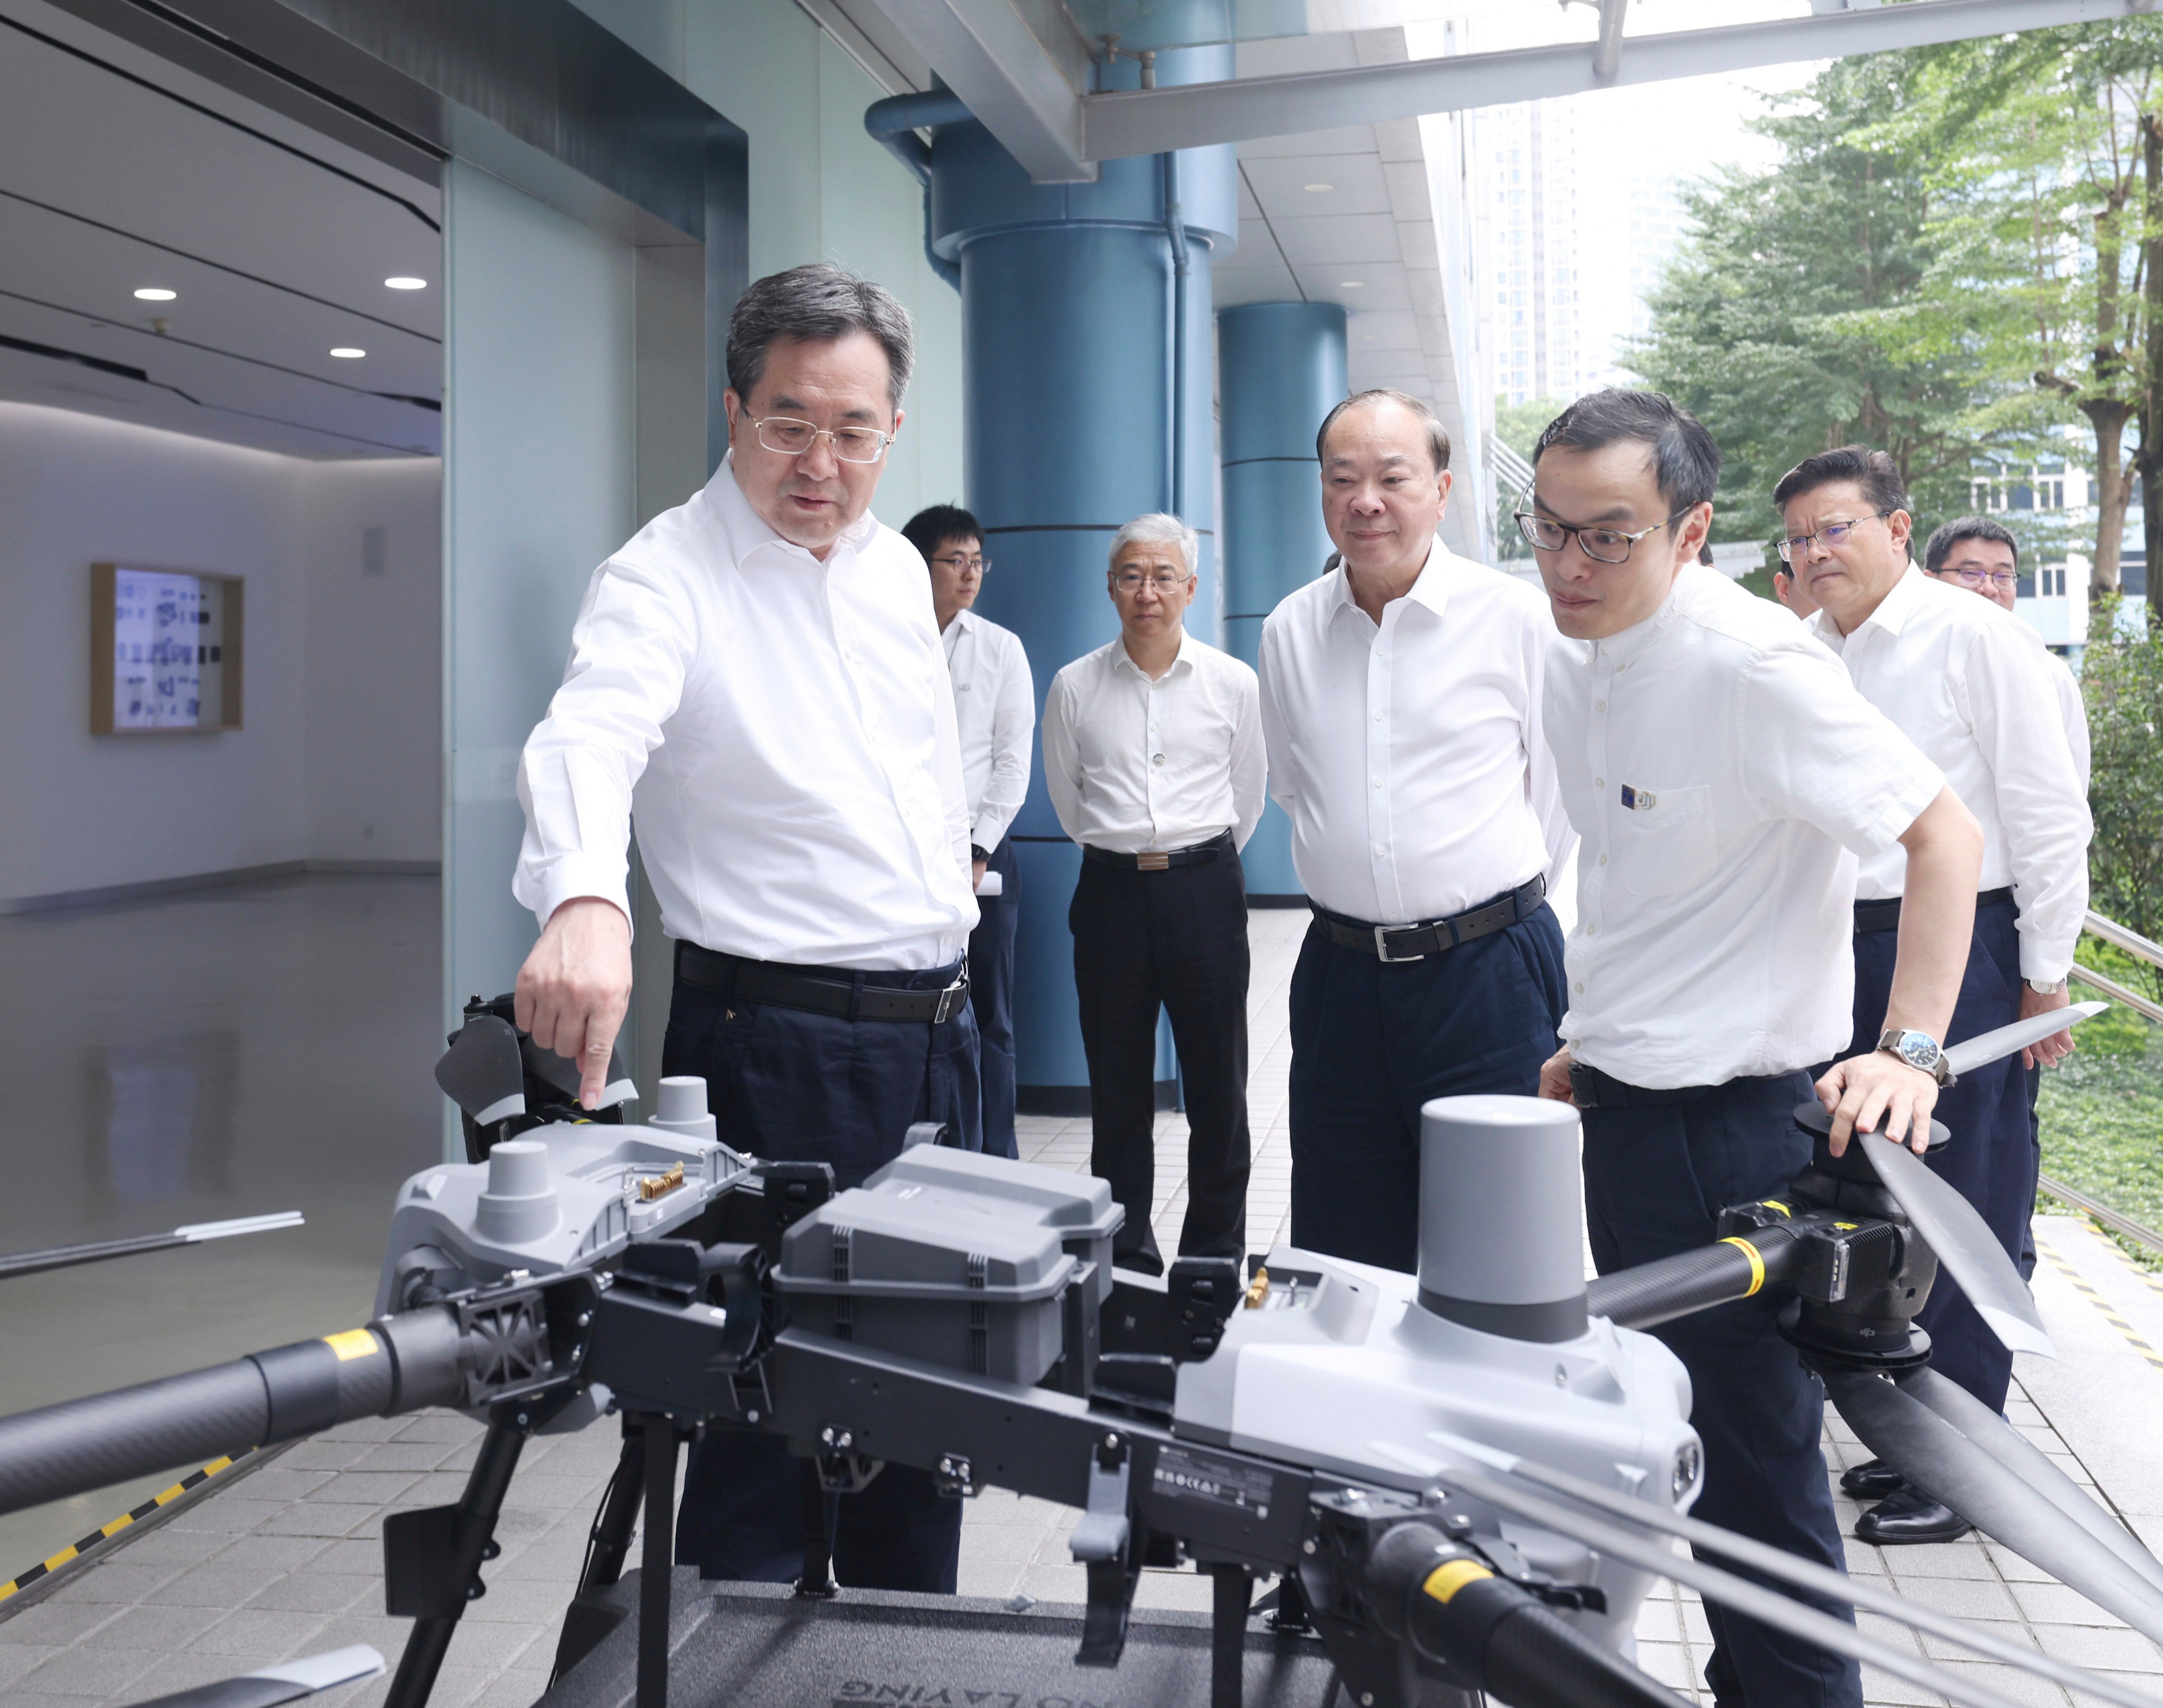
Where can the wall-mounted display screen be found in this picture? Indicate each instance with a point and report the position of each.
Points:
(165, 651)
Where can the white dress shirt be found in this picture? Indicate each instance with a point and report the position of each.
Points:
(783, 730)
(1966, 681)
(1408, 753)
(1720, 768)
(2072, 707)
(995, 706)
(1133, 765)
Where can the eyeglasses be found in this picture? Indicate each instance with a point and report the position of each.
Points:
(795, 438)
(962, 566)
(1165, 581)
(1601, 545)
(1976, 578)
(1832, 537)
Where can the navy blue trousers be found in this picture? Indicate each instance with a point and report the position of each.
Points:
(1992, 1156)
(1656, 1179)
(1370, 1043)
(991, 998)
(791, 1087)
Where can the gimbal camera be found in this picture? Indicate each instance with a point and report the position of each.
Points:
(1462, 1480)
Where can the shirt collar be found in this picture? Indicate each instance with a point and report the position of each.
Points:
(746, 532)
(1893, 610)
(1430, 588)
(1625, 649)
(1183, 659)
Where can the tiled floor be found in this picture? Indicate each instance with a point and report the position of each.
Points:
(286, 1561)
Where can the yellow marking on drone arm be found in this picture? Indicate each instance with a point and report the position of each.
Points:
(353, 1343)
(1757, 1263)
(1775, 1204)
(1452, 1575)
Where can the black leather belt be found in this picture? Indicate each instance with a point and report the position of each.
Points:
(1395, 943)
(1591, 1089)
(1161, 860)
(1884, 913)
(822, 990)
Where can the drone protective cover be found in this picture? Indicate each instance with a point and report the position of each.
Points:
(482, 1071)
(563, 1073)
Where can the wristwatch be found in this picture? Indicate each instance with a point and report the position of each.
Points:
(1918, 1050)
(978, 853)
(2046, 986)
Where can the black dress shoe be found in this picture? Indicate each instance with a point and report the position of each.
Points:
(1907, 1516)
(1873, 1479)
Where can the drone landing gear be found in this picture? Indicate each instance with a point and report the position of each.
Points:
(431, 1559)
(1231, 1590)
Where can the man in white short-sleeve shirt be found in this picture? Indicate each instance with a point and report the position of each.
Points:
(1724, 775)
(1971, 685)
(995, 711)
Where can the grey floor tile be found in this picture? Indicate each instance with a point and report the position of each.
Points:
(91, 1668)
(161, 1629)
(313, 1592)
(54, 1622)
(259, 1636)
(216, 1587)
(2023, 1687)
(1883, 1687)
(2054, 1604)
(2101, 1648)
(515, 1689)
(120, 1579)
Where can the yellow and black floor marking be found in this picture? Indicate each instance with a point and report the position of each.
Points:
(2109, 1311)
(192, 1480)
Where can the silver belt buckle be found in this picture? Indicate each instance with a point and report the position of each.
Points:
(951, 1000)
(1382, 947)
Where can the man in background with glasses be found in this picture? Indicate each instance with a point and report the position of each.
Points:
(995, 707)
(1981, 555)
(1966, 683)
(1153, 760)
(757, 678)
(1400, 694)
(1721, 769)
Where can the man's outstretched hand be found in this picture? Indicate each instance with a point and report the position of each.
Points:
(1858, 1092)
(575, 987)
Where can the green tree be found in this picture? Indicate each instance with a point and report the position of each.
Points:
(1784, 324)
(2122, 679)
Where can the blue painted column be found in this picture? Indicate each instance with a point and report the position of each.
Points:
(1068, 353)
(1280, 368)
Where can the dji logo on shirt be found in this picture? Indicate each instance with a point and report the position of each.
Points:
(1641, 799)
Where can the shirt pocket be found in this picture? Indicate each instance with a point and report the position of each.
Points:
(1668, 846)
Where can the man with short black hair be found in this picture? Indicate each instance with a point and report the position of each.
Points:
(1721, 769)
(1964, 681)
(995, 710)
(757, 673)
(1400, 693)
(1152, 759)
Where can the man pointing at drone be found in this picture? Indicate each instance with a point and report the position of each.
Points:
(1724, 774)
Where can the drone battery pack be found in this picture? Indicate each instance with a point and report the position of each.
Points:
(953, 1283)
(1079, 1209)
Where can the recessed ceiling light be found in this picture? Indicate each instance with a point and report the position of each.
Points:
(1321, 189)
(1351, 283)
(155, 293)
(348, 352)
(405, 282)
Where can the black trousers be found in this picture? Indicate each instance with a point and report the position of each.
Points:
(1656, 1179)
(791, 1087)
(1370, 1043)
(1991, 1158)
(991, 998)
(1175, 939)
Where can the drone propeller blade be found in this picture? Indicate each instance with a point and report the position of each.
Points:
(1965, 1248)
(482, 1071)
(2000, 1438)
(562, 1072)
(1980, 1051)
(1766, 1606)
(1813, 1579)
(1968, 1477)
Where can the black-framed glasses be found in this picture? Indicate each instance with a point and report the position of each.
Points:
(1603, 545)
(2000, 578)
(1832, 536)
(791, 438)
(961, 566)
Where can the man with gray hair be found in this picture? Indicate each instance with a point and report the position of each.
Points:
(1152, 759)
(757, 679)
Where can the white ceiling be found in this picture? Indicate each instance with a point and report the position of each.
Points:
(1367, 241)
(277, 241)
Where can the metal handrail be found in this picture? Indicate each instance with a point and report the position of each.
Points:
(2140, 949)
